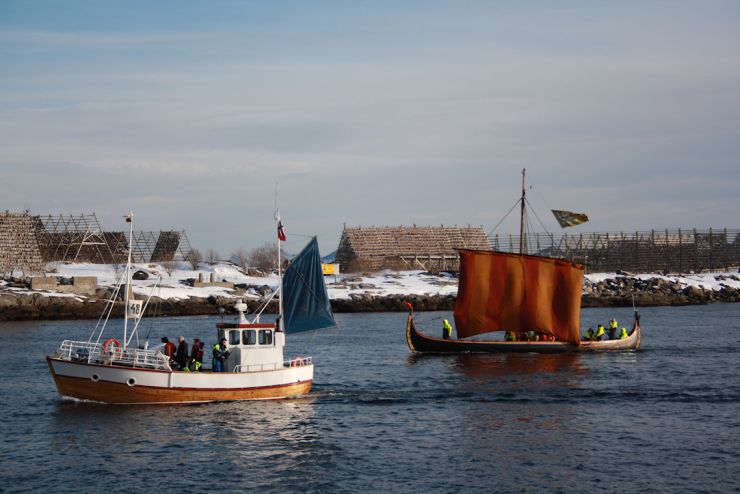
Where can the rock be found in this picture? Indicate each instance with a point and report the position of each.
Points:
(264, 290)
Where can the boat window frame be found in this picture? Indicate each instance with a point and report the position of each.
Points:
(231, 337)
(246, 334)
(265, 337)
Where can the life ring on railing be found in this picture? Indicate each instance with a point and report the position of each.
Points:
(109, 343)
(297, 362)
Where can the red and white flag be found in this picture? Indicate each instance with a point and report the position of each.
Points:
(281, 231)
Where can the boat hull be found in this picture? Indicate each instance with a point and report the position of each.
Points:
(126, 385)
(632, 342)
(422, 343)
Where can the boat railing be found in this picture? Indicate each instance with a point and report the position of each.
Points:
(256, 367)
(78, 350)
(93, 353)
(298, 362)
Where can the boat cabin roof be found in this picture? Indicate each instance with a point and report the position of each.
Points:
(231, 325)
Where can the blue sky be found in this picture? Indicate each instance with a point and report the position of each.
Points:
(370, 113)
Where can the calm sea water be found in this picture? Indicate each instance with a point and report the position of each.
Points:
(666, 418)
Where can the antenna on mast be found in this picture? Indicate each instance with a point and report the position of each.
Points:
(276, 209)
(522, 242)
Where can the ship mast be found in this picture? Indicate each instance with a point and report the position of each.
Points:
(281, 325)
(130, 221)
(522, 242)
(280, 287)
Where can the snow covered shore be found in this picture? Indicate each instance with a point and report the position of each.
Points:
(349, 292)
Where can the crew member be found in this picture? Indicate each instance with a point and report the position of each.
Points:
(446, 329)
(589, 336)
(219, 356)
(196, 355)
(181, 357)
(599, 333)
(613, 328)
(623, 333)
(169, 348)
(509, 336)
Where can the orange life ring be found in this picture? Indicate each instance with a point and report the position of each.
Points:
(297, 362)
(110, 342)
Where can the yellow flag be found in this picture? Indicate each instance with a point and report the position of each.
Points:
(569, 218)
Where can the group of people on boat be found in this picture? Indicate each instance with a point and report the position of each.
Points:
(600, 332)
(182, 360)
(528, 336)
(591, 335)
(508, 336)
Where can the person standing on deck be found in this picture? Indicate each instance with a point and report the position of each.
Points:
(219, 356)
(196, 355)
(446, 329)
(169, 348)
(613, 328)
(181, 357)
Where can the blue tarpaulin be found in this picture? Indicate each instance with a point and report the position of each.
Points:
(306, 304)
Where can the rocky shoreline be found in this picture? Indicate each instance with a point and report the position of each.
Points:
(611, 292)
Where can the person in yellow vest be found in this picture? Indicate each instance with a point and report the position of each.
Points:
(446, 329)
(589, 336)
(613, 326)
(509, 336)
(623, 333)
(599, 333)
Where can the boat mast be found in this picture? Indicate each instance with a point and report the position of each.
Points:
(130, 221)
(280, 287)
(522, 242)
(281, 325)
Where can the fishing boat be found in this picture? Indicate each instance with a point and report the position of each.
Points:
(535, 297)
(120, 372)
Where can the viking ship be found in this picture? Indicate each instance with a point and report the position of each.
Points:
(521, 294)
(121, 372)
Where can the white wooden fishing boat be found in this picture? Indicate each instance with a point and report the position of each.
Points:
(116, 371)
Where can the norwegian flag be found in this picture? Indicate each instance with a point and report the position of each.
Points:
(281, 231)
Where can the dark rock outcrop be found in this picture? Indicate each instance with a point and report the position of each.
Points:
(612, 292)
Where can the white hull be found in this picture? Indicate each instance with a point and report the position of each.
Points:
(127, 385)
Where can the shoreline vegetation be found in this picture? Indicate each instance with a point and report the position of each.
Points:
(608, 292)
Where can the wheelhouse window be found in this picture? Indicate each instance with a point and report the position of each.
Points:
(249, 337)
(265, 337)
(233, 337)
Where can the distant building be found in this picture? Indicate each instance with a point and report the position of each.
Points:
(402, 247)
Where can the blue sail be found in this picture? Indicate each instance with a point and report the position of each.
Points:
(305, 301)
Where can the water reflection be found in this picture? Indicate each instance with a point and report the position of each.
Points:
(235, 439)
(486, 366)
(498, 365)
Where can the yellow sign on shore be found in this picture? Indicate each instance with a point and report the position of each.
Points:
(328, 269)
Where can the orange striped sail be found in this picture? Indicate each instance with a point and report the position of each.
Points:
(511, 292)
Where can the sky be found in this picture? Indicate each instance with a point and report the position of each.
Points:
(369, 114)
